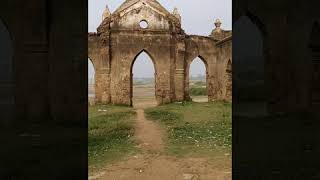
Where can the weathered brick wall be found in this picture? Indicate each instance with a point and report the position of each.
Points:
(224, 68)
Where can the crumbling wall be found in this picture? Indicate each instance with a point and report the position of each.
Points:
(204, 48)
(98, 52)
(224, 68)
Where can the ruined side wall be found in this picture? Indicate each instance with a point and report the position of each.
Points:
(203, 47)
(223, 68)
(125, 46)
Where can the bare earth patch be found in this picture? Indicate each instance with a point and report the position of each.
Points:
(160, 167)
(151, 163)
(148, 134)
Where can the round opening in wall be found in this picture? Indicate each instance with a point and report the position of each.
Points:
(143, 24)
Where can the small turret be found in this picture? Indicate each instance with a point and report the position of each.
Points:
(106, 13)
(217, 23)
(217, 32)
(176, 13)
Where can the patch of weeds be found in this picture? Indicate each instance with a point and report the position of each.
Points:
(195, 127)
(110, 130)
(164, 116)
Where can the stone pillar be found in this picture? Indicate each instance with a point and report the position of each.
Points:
(180, 69)
(277, 67)
(32, 73)
(163, 88)
(179, 84)
(213, 86)
(102, 85)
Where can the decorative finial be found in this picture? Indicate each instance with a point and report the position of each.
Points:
(106, 13)
(217, 23)
(176, 13)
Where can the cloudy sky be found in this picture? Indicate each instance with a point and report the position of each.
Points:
(197, 18)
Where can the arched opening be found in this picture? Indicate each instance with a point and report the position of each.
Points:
(315, 55)
(198, 90)
(6, 77)
(91, 83)
(143, 81)
(249, 66)
(228, 78)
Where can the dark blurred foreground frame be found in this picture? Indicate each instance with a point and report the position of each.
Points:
(276, 107)
(43, 89)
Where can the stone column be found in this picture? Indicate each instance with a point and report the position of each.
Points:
(180, 69)
(179, 84)
(102, 85)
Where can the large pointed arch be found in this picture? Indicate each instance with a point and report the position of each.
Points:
(151, 58)
(149, 54)
(205, 63)
(250, 55)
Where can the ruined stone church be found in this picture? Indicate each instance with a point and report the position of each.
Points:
(146, 26)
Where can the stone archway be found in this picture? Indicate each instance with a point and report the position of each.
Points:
(205, 73)
(149, 58)
(250, 60)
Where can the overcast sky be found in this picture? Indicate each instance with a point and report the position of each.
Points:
(197, 18)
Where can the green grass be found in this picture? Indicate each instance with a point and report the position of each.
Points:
(198, 91)
(200, 83)
(195, 128)
(109, 136)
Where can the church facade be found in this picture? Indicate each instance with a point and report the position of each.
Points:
(146, 26)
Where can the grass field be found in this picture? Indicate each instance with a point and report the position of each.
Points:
(198, 88)
(198, 91)
(109, 137)
(195, 128)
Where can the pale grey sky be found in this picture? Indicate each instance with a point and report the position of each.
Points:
(197, 18)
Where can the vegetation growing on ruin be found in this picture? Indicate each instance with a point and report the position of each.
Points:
(195, 128)
(110, 129)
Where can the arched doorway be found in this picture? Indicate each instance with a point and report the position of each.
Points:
(91, 83)
(249, 66)
(6, 76)
(143, 81)
(198, 90)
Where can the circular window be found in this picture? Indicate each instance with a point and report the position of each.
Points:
(143, 24)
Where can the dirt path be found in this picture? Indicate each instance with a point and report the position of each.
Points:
(148, 134)
(152, 164)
